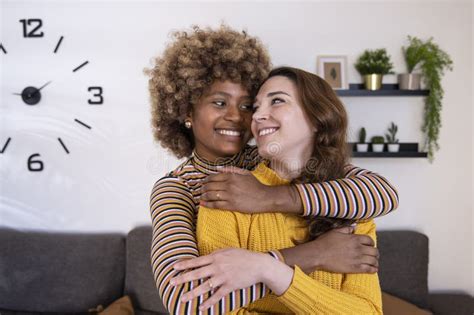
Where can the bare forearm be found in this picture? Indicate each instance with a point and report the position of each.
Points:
(285, 199)
(301, 255)
(276, 275)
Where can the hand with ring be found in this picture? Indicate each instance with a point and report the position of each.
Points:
(227, 270)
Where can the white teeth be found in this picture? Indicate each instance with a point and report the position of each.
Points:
(229, 132)
(267, 131)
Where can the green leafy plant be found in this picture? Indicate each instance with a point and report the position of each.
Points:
(362, 135)
(374, 62)
(377, 140)
(433, 62)
(392, 133)
(414, 53)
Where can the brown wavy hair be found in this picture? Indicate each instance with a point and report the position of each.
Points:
(188, 66)
(330, 151)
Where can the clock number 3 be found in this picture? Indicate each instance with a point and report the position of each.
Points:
(29, 31)
(98, 95)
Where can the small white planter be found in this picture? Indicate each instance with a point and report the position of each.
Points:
(393, 147)
(362, 147)
(377, 147)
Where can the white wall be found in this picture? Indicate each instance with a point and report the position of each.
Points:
(104, 184)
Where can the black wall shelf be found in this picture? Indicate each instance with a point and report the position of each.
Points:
(358, 89)
(407, 150)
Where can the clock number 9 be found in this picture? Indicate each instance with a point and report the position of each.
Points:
(35, 165)
(98, 95)
(33, 32)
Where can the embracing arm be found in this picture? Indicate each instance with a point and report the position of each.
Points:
(359, 293)
(172, 212)
(361, 194)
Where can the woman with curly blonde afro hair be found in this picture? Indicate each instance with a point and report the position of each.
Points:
(202, 90)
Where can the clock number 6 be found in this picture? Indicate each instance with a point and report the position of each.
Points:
(35, 165)
(99, 98)
(33, 32)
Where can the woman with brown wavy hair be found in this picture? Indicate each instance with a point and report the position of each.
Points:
(202, 87)
(300, 127)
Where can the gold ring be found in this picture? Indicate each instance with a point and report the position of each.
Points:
(210, 283)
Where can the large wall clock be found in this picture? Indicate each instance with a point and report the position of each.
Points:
(38, 76)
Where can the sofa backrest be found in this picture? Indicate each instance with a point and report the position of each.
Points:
(63, 272)
(139, 282)
(60, 272)
(403, 265)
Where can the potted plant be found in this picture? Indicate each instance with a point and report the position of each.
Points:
(432, 62)
(377, 143)
(413, 55)
(393, 145)
(373, 65)
(361, 145)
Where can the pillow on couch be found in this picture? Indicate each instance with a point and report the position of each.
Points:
(394, 306)
(122, 306)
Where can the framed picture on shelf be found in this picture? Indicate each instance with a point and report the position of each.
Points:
(333, 69)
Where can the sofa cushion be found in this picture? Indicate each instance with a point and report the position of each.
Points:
(59, 272)
(395, 306)
(403, 270)
(451, 303)
(139, 280)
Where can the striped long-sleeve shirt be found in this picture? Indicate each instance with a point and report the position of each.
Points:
(174, 204)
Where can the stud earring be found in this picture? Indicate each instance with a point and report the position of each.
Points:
(187, 124)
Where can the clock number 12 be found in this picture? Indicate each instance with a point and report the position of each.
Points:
(32, 32)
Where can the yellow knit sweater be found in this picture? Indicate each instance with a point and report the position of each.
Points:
(319, 292)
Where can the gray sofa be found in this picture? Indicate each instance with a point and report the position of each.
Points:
(65, 273)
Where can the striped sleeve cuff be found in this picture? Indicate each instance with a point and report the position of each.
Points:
(277, 255)
(306, 201)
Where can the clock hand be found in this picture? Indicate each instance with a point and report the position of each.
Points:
(44, 85)
(36, 91)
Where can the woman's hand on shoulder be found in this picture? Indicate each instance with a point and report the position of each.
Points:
(235, 189)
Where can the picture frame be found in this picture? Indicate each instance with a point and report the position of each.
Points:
(333, 69)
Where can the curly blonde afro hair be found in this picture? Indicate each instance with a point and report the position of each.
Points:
(188, 66)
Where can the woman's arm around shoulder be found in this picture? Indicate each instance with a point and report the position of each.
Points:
(172, 210)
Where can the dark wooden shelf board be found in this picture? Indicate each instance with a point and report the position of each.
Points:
(386, 90)
(407, 150)
(389, 154)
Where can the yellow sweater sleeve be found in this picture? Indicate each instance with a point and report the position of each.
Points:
(359, 294)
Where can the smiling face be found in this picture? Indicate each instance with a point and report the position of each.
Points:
(279, 124)
(221, 120)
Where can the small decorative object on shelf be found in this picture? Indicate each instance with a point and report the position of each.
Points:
(378, 143)
(393, 145)
(413, 55)
(373, 65)
(333, 69)
(361, 145)
(433, 62)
